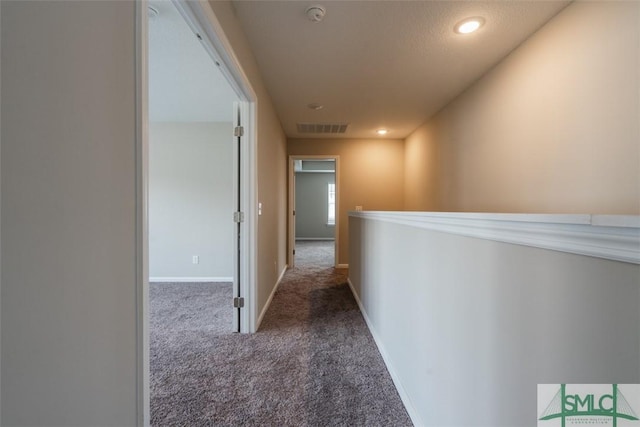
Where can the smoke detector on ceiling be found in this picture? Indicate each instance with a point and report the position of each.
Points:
(316, 13)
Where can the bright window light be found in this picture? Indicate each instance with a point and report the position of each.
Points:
(331, 199)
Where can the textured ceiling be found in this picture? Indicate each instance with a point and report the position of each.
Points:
(379, 64)
(184, 83)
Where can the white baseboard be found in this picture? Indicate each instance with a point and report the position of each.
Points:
(413, 414)
(273, 292)
(190, 279)
(342, 266)
(329, 239)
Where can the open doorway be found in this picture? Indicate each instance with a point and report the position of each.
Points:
(313, 217)
(238, 261)
(191, 181)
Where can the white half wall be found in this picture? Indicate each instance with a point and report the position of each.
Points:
(469, 326)
(191, 200)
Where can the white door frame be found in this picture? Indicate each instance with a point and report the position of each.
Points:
(200, 17)
(291, 220)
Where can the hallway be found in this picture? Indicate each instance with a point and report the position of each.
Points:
(312, 363)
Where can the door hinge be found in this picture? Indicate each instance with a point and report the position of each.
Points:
(238, 302)
(294, 213)
(294, 251)
(238, 131)
(238, 217)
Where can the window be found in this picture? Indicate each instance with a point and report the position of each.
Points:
(331, 217)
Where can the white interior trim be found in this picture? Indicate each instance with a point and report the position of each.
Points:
(314, 171)
(142, 222)
(204, 22)
(614, 237)
(322, 239)
(273, 292)
(404, 396)
(0, 226)
(190, 279)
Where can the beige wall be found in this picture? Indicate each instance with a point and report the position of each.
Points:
(421, 170)
(272, 167)
(555, 127)
(371, 176)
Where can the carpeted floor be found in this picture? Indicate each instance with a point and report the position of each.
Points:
(180, 307)
(317, 253)
(312, 363)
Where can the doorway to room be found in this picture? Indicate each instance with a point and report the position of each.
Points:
(187, 146)
(207, 31)
(191, 181)
(313, 213)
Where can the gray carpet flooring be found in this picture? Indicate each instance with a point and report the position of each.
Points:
(315, 253)
(312, 363)
(196, 307)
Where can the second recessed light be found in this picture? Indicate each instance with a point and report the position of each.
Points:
(469, 25)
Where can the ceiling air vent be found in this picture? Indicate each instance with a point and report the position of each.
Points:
(322, 127)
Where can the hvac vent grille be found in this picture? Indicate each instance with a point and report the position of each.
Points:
(322, 127)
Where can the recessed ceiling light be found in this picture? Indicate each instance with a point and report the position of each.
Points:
(469, 25)
(382, 131)
(315, 106)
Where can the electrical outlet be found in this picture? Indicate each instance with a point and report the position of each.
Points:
(358, 208)
(195, 259)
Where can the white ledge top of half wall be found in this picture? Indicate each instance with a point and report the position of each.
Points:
(614, 237)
